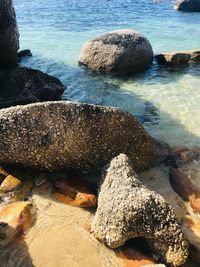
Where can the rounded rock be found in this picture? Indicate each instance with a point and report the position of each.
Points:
(118, 52)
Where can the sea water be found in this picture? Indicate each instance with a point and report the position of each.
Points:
(55, 30)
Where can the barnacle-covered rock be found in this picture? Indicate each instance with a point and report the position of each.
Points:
(55, 135)
(127, 209)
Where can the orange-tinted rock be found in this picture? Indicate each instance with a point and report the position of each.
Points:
(14, 189)
(81, 200)
(133, 258)
(195, 203)
(19, 214)
(10, 184)
(191, 229)
(185, 186)
(75, 193)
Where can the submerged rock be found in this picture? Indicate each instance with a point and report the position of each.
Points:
(182, 58)
(120, 51)
(24, 85)
(9, 34)
(55, 135)
(189, 5)
(185, 181)
(74, 193)
(127, 209)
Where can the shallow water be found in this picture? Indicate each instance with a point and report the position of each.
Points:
(55, 31)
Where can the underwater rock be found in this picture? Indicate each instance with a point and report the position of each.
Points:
(185, 181)
(56, 135)
(14, 189)
(74, 193)
(181, 58)
(28, 86)
(9, 35)
(189, 5)
(19, 214)
(120, 51)
(151, 113)
(179, 156)
(127, 209)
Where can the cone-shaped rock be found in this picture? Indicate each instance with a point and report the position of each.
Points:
(127, 209)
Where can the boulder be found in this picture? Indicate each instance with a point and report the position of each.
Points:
(127, 209)
(189, 6)
(63, 134)
(23, 54)
(9, 34)
(182, 58)
(24, 85)
(121, 51)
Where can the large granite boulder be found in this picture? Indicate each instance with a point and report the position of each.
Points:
(24, 85)
(121, 51)
(54, 135)
(127, 209)
(9, 34)
(189, 5)
(181, 58)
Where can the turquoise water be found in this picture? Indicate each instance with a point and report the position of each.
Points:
(56, 29)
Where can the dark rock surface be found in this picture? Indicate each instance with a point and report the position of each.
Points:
(24, 85)
(182, 58)
(9, 34)
(121, 51)
(54, 135)
(24, 53)
(127, 209)
(189, 5)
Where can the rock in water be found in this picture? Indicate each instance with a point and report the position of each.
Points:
(127, 209)
(9, 34)
(121, 51)
(181, 58)
(189, 5)
(54, 135)
(29, 86)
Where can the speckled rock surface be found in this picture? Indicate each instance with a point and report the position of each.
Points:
(9, 34)
(127, 209)
(22, 86)
(181, 58)
(121, 51)
(54, 135)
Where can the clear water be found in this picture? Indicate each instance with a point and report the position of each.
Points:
(56, 29)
